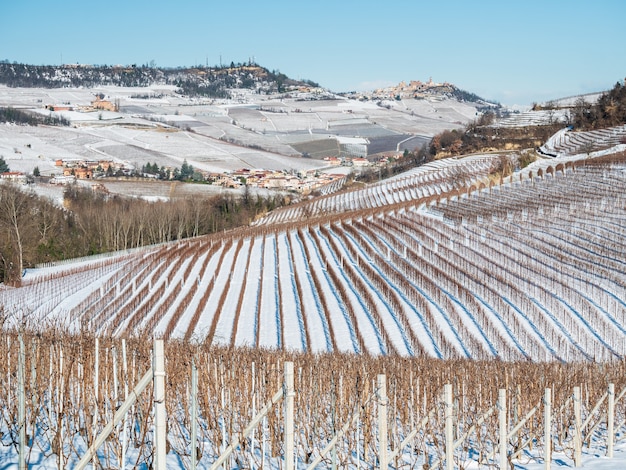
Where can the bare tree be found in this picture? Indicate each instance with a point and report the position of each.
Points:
(14, 216)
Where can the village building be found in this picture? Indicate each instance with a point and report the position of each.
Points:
(62, 179)
(14, 177)
(360, 162)
(102, 104)
(79, 172)
(334, 161)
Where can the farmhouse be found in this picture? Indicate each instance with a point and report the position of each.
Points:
(63, 179)
(105, 105)
(79, 172)
(333, 161)
(14, 177)
(360, 162)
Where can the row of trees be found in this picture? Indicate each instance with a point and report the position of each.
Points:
(479, 135)
(195, 81)
(608, 111)
(16, 116)
(185, 173)
(33, 230)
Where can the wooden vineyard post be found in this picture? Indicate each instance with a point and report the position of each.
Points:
(96, 381)
(125, 422)
(577, 428)
(160, 418)
(610, 421)
(194, 415)
(547, 431)
(21, 379)
(503, 427)
(382, 421)
(289, 462)
(60, 409)
(449, 426)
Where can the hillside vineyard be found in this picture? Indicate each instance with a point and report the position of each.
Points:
(531, 268)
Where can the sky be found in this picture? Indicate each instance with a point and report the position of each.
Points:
(511, 51)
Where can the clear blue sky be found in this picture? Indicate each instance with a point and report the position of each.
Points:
(516, 52)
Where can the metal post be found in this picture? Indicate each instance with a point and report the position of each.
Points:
(125, 421)
(449, 426)
(60, 410)
(160, 418)
(22, 404)
(333, 404)
(503, 427)
(610, 421)
(194, 415)
(96, 380)
(252, 436)
(547, 431)
(382, 421)
(289, 463)
(577, 428)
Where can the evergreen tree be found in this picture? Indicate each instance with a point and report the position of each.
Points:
(186, 171)
(3, 166)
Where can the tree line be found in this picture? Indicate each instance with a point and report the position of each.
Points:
(608, 111)
(33, 230)
(185, 173)
(17, 116)
(190, 81)
(480, 136)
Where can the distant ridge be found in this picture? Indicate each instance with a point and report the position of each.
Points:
(209, 81)
(192, 81)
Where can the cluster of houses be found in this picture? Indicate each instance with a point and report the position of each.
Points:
(98, 104)
(303, 182)
(347, 161)
(413, 89)
(87, 169)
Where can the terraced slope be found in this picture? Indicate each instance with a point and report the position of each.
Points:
(567, 142)
(422, 183)
(531, 269)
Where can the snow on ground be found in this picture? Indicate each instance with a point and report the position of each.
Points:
(204, 324)
(262, 128)
(291, 309)
(238, 278)
(593, 458)
(247, 326)
(310, 303)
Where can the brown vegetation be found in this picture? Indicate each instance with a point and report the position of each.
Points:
(478, 137)
(609, 111)
(33, 230)
(481, 136)
(63, 405)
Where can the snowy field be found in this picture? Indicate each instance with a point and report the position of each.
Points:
(254, 131)
(408, 276)
(417, 265)
(591, 460)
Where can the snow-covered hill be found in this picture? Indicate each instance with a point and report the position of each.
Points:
(531, 269)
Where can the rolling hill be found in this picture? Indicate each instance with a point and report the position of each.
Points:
(443, 261)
